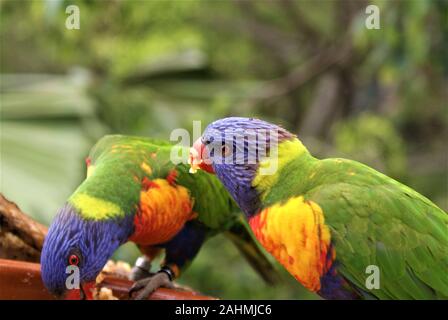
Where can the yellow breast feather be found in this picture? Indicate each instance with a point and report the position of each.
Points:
(296, 235)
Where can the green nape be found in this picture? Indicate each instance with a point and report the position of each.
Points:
(294, 167)
(118, 164)
(112, 188)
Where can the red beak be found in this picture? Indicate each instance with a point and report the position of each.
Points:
(85, 292)
(199, 158)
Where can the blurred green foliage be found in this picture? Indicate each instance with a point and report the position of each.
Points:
(376, 142)
(147, 67)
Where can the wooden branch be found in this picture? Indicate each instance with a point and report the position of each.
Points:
(22, 280)
(21, 238)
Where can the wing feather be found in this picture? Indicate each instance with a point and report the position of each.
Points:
(376, 220)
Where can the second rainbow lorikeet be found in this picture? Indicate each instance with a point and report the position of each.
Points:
(133, 192)
(329, 222)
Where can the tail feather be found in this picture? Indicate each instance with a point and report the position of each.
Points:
(240, 235)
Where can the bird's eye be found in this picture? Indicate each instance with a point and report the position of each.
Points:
(73, 260)
(209, 140)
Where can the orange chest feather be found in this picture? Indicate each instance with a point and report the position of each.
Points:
(295, 234)
(164, 209)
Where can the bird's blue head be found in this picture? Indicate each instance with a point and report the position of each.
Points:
(233, 148)
(74, 242)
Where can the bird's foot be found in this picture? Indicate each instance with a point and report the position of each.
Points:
(141, 269)
(146, 286)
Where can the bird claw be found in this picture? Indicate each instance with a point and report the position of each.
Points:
(141, 270)
(139, 274)
(148, 285)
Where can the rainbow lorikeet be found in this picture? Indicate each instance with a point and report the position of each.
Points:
(342, 229)
(133, 192)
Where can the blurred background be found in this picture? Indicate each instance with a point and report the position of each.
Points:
(147, 67)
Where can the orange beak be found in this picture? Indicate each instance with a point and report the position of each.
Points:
(199, 158)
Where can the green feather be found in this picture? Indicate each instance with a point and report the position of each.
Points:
(373, 220)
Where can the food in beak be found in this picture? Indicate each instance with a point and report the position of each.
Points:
(199, 158)
(194, 160)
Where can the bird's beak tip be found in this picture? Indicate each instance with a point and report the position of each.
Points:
(196, 158)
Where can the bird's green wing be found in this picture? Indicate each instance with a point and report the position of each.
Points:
(212, 202)
(375, 220)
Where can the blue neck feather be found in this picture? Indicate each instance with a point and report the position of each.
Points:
(239, 185)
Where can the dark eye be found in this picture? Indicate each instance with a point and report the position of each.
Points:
(73, 260)
(209, 140)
